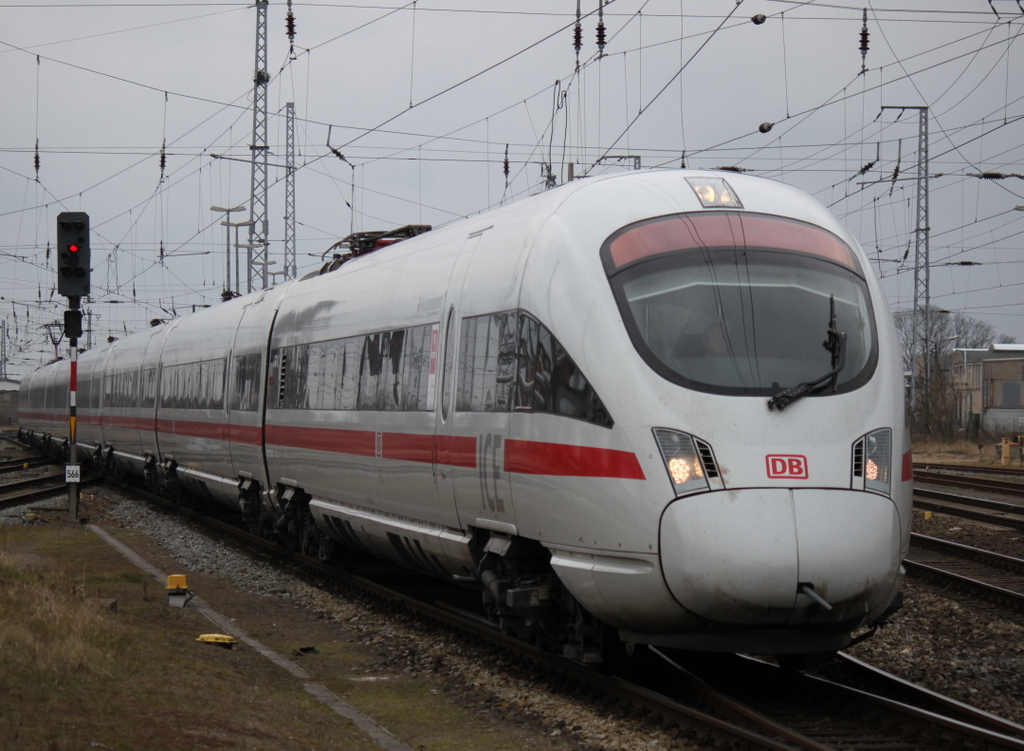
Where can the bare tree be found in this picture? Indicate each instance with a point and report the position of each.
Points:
(934, 410)
(947, 331)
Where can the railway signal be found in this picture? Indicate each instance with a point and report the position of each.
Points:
(73, 256)
(73, 266)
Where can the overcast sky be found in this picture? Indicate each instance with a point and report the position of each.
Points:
(423, 99)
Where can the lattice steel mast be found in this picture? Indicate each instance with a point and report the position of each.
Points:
(290, 265)
(919, 351)
(259, 229)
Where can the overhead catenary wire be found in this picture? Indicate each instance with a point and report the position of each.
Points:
(790, 154)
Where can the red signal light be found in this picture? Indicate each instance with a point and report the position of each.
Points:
(73, 248)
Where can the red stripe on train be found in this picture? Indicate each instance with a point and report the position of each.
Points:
(522, 457)
(536, 458)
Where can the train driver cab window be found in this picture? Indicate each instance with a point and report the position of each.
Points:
(738, 303)
(509, 361)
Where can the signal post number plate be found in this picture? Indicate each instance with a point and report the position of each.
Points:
(72, 473)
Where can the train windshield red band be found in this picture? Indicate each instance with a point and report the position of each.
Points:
(726, 229)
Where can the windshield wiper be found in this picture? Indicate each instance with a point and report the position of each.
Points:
(836, 345)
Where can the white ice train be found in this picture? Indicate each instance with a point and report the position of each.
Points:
(664, 405)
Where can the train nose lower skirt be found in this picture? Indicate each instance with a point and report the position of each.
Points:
(747, 557)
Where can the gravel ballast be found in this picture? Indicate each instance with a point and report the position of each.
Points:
(943, 643)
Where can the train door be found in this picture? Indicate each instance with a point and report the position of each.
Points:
(444, 454)
(148, 388)
(246, 390)
(473, 424)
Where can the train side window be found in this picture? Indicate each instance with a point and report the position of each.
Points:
(411, 378)
(487, 363)
(331, 361)
(370, 366)
(84, 389)
(390, 383)
(294, 374)
(213, 383)
(315, 375)
(188, 396)
(148, 388)
(246, 393)
(510, 361)
(351, 356)
(167, 386)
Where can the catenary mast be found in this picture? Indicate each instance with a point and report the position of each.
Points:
(258, 230)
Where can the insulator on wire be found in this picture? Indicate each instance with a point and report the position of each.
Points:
(600, 28)
(505, 168)
(577, 36)
(163, 160)
(864, 43)
(36, 160)
(289, 24)
(682, 160)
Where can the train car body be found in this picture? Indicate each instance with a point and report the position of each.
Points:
(666, 403)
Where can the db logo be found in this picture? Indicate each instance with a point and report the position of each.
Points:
(783, 465)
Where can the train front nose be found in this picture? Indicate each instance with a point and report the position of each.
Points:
(746, 557)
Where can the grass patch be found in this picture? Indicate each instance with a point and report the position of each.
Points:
(954, 452)
(57, 631)
(75, 674)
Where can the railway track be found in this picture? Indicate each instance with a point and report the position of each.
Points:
(13, 465)
(26, 491)
(968, 507)
(978, 573)
(699, 714)
(807, 712)
(984, 484)
(970, 469)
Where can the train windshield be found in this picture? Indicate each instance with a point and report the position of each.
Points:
(735, 303)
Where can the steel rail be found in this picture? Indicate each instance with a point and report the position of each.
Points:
(941, 502)
(37, 495)
(959, 550)
(994, 739)
(12, 465)
(792, 696)
(926, 697)
(17, 485)
(974, 483)
(967, 585)
(970, 469)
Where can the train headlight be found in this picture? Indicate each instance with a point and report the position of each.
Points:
(682, 461)
(875, 454)
(714, 192)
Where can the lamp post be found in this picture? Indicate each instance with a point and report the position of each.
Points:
(227, 240)
(236, 225)
(250, 247)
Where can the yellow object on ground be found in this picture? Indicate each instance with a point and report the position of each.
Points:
(222, 640)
